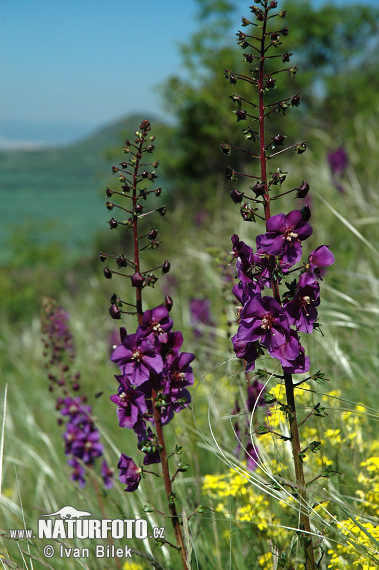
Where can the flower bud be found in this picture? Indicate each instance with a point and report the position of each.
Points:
(158, 191)
(112, 223)
(137, 280)
(162, 210)
(107, 273)
(302, 190)
(248, 57)
(109, 205)
(295, 101)
(241, 114)
(114, 312)
(138, 209)
(301, 147)
(103, 256)
(284, 31)
(245, 22)
(236, 196)
(125, 188)
(270, 83)
(226, 148)
(286, 57)
(145, 125)
(152, 234)
(166, 266)
(278, 140)
(144, 174)
(168, 302)
(108, 192)
(121, 261)
(230, 174)
(273, 5)
(115, 169)
(258, 189)
(305, 213)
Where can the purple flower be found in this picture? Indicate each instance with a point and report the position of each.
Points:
(291, 355)
(78, 471)
(131, 404)
(284, 236)
(156, 321)
(247, 350)
(200, 315)
(338, 160)
(301, 310)
(130, 474)
(86, 445)
(137, 357)
(107, 475)
(263, 319)
(319, 258)
(74, 408)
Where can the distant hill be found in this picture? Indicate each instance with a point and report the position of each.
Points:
(61, 184)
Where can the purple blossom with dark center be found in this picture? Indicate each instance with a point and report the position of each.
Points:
(130, 474)
(86, 445)
(263, 319)
(74, 408)
(78, 471)
(107, 475)
(131, 405)
(291, 355)
(179, 372)
(156, 321)
(70, 435)
(301, 310)
(200, 315)
(284, 236)
(137, 357)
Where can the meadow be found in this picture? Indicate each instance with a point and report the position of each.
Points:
(237, 495)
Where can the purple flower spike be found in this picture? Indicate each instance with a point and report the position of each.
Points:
(263, 319)
(137, 357)
(338, 160)
(130, 474)
(284, 236)
(291, 355)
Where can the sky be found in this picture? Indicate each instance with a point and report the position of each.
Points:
(68, 67)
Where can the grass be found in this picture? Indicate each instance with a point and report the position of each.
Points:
(243, 512)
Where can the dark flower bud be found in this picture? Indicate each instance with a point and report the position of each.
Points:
(284, 31)
(112, 223)
(150, 148)
(295, 101)
(292, 71)
(230, 174)
(247, 212)
(121, 178)
(162, 210)
(248, 57)
(155, 164)
(166, 266)
(232, 79)
(286, 57)
(139, 209)
(245, 22)
(305, 213)
(273, 5)
(236, 196)
(278, 140)
(75, 386)
(115, 169)
(301, 147)
(144, 174)
(158, 191)
(108, 192)
(152, 234)
(302, 190)
(103, 256)
(168, 302)
(50, 388)
(107, 273)
(259, 189)
(283, 14)
(274, 36)
(114, 312)
(241, 115)
(152, 138)
(145, 126)
(125, 188)
(226, 148)
(124, 164)
(138, 155)
(142, 193)
(270, 83)
(109, 205)
(59, 421)
(151, 280)
(137, 280)
(241, 35)
(121, 261)
(152, 176)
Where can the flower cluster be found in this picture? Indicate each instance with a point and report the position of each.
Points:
(264, 321)
(150, 359)
(82, 439)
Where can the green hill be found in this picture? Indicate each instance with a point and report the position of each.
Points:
(55, 193)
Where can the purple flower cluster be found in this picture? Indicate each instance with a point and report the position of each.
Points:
(265, 321)
(82, 439)
(150, 359)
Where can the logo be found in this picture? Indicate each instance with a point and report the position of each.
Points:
(71, 524)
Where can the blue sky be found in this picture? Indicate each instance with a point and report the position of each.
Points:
(70, 66)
